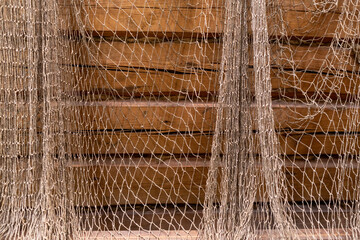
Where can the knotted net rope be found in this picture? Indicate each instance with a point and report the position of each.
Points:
(179, 119)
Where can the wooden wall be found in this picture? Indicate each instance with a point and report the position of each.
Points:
(183, 74)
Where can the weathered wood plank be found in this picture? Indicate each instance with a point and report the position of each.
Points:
(151, 142)
(194, 143)
(136, 21)
(190, 18)
(317, 144)
(200, 143)
(301, 234)
(200, 117)
(154, 3)
(316, 6)
(140, 127)
(142, 184)
(313, 85)
(140, 83)
(97, 84)
(183, 181)
(187, 56)
(175, 56)
(185, 218)
(160, 116)
(313, 58)
(147, 18)
(131, 235)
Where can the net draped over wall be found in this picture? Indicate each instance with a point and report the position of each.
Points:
(179, 119)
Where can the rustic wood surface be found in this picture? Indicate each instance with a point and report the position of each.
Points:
(141, 62)
(149, 18)
(175, 181)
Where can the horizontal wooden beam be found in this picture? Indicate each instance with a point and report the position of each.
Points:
(124, 83)
(188, 56)
(303, 234)
(188, 217)
(179, 180)
(173, 56)
(191, 18)
(200, 117)
(152, 142)
(113, 127)
(95, 84)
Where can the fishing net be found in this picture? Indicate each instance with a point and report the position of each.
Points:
(179, 119)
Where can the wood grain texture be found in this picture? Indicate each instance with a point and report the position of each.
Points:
(165, 117)
(187, 56)
(200, 117)
(152, 142)
(200, 143)
(139, 184)
(205, 17)
(151, 181)
(140, 83)
(321, 233)
(186, 218)
(174, 56)
(125, 83)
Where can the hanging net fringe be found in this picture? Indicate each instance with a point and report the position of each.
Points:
(179, 119)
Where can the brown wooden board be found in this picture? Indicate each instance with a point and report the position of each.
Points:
(125, 83)
(142, 184)
(151, 142)
(303, 234)
(200, 143)
(200, 117)
(186, 56)
(140, 83)
(183, 127)
(183, 181)
(175, 56)
(184, 218)
(190, 18)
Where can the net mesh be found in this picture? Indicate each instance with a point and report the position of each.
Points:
(179, 119)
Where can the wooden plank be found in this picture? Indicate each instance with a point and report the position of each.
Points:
(317, 144)
(173, 181)
(128, 235)
(317, 22)
(150, 142)
(159, 116)
(200, 117)
(135, 21)
(318, 86)
(188, 217)
(148, 217)
(187, 56)
(190, 18)
(97, 84)
(140, 182)
(313, 58)
(159, 142)
(94, 84)
(301, 234)
(149, 18)
(154, 3)
(174, 56)
(315, 6)
(140, 127)
(153, 142)
(140, 83)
